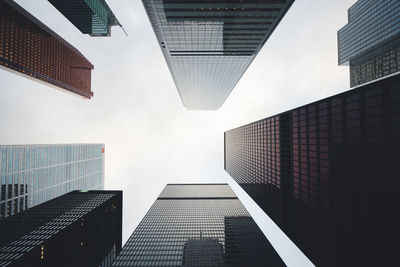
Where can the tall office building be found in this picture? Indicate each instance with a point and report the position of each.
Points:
(198, 225)
(93, 17)
(33, 174)
(370, 42)
(208, 45)
(327, 173)
(76, 229)
(30, 48)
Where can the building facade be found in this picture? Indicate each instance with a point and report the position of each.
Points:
(31, 49)
(75, 229)
(198, 225)
(208, 45)
(326, 173)
(33, 174)
(93, 17)
(370, 42)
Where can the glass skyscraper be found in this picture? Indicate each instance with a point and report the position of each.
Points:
(33, 174)
(93, 17)
(75, 229)
(208, 45)
(33, 50)
(198, 225)
(327, 174)
(370, 42)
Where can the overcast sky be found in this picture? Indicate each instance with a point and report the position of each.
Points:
(151, 140)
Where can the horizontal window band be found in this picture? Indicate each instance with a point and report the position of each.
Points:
(243, 34)
(220, 18)
(223, 2)
(221, 10)
(177, 198)
(207, 55)
(207, 51)
(226, 23)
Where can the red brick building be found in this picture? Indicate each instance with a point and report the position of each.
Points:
(30, 48)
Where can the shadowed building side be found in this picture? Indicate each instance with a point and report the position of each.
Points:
(326, 173)
(202, 252)
(243, 240)
(76, 229)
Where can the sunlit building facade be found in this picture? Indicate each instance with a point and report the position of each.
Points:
(198, 225)
(326, 173)
(370, 42)
(33, 50)
(208, 45)
(33, 174)
(93, 17)
(75, 229)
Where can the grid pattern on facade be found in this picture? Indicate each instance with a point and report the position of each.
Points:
(34, 236)
(256, 148)
(93, 17)
(30, 48)
(208, 45)
(111, 256)
(33, 174)
(370, 42)
(344, 151)
(195, 191)
(364, 31)
(383, 61)
(310, 154)
(197, 231)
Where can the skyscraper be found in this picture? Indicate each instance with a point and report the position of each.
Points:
(326, 173)
(370, 42)
(208, 45)
(197, 225)
(30, 48)
(76, 229)
(33, 174)
(93, 17)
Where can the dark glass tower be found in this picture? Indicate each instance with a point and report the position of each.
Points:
(208, 45)
(30, 48)
(76, 229)
(370, 42)
(198, 225)
(326, 173)
(93, 17)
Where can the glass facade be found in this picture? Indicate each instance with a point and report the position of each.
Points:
(31, 49)
(370, 42)
(33, 174)
(76, 229)
(326, 173)
(208, 45)
(198, 225)
(93, 17)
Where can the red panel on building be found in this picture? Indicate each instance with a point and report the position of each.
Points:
(31, 48)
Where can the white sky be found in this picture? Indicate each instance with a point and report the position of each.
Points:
(151, 140)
